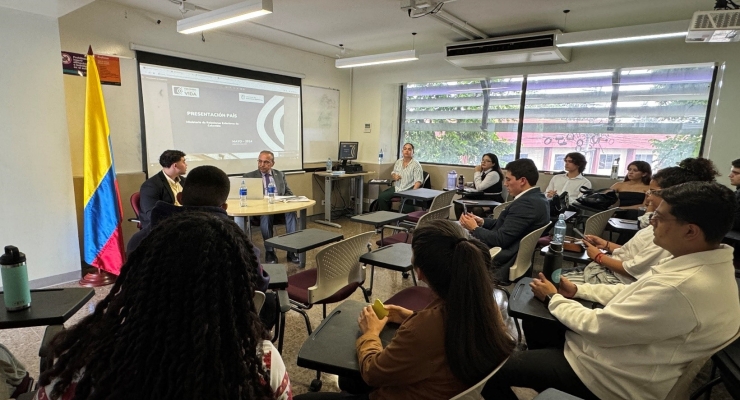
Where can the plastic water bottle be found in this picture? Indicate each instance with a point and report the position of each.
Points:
(271, 189)
(615, 169)
(380, 156)
(328, 165)
(451, 180)
(243, 195)
(558, 233)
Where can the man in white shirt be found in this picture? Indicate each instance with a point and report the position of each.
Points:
(640, 343)
(572, 180)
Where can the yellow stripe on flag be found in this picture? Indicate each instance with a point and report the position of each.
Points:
(97, 154)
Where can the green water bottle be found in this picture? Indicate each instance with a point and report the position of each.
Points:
(14, 272)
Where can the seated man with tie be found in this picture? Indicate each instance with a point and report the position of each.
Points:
(164, 186)
(264, 171)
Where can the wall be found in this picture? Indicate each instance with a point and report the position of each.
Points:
(37, 212)
(375, 95)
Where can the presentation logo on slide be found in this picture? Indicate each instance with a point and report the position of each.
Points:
(185, 91)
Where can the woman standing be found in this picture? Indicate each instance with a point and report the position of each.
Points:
(407, 174)
(179, 323)
(631, 192)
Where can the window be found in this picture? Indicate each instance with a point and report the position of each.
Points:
(457, 122)
(605, 163)
(559, 164)
(651, 114)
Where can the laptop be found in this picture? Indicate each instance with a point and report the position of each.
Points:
(254, 187)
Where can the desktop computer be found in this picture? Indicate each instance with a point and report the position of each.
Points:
(348, 152)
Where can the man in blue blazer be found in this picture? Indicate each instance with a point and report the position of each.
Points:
(265, 172)
(164, 186)
(530, 210)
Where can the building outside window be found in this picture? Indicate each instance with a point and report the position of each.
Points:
(656, 115)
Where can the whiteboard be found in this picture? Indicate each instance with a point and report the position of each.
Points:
(320, 124)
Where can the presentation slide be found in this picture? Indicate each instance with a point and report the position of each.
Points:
(218, 119)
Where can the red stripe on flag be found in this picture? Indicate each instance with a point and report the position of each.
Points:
(110, 257)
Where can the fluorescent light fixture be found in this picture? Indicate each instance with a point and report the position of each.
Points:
(623, 34)
(386, 58)
(224, 16)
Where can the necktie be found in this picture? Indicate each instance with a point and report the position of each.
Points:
(267, 182)
(483, 175)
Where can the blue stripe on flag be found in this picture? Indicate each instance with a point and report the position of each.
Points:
(101, 217)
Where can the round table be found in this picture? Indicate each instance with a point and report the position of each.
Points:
(262, 207)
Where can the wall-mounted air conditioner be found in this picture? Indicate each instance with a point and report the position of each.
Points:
(718, 26)
(530, 48)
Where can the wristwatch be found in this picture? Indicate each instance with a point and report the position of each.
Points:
(548, 298)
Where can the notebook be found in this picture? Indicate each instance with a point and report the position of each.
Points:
(254, 187)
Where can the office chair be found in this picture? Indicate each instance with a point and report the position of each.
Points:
(137, 209)
(337, 275)
(473, 393)
(405, 236)
(444, 199)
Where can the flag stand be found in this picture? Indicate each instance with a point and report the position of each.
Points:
(97, 279)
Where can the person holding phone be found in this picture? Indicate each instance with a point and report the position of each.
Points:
(614, 263)
(455, 341)
(648, 333)
(407, 174)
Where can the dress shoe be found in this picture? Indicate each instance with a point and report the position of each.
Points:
(270, 257)
(293, 257)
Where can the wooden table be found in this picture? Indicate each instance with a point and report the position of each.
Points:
(262, 207)
(48, 307)
(358, 183)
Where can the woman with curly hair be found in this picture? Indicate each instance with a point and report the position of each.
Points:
(179, 323)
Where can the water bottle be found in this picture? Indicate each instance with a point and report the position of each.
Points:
(243, 195)
(451, 180)
(460, 182)
(558, 233)
(615, 169)
(271, 189)
(380, 156)
(16, 293)
(328, 165)
(553, 265)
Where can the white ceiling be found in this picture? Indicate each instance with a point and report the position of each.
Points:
(378, 26)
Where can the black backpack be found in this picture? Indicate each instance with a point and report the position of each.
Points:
(599, 200)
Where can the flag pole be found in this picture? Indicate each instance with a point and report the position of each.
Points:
(103, 247)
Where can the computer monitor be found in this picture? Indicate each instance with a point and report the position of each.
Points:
(347, 151)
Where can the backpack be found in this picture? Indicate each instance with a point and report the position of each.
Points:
(599, 200)
(558, 204)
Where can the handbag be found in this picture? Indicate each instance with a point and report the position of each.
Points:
(559, 203)
(599, 200)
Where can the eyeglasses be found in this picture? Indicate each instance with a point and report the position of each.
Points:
(264, 161)
(656, 218)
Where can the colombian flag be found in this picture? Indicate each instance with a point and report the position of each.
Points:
(103, 211)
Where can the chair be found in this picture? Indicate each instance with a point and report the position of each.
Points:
(524, 257)
(727, 361)
(499, 209)
(405, 236)
(473, 393)
(413, 298)
(137, 209)
(337, 275)
(259, 300)
(596, 223)
(440, 201)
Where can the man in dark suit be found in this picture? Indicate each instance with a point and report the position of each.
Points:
(735, 181)
(265, 172)
(529, 211)
(163, 186)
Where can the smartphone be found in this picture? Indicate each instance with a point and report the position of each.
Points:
(465, 208)
(579, 233)
(379, 309)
